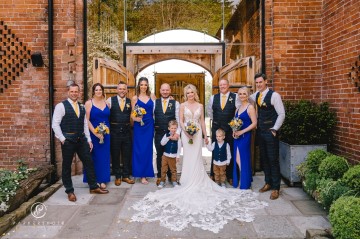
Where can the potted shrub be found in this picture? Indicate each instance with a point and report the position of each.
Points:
(307, 126)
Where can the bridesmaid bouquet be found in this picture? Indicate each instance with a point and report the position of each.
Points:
(138, 112)
(102, 129)
(191, 128)
(236, 124)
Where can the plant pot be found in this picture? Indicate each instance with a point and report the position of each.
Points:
(291, 156)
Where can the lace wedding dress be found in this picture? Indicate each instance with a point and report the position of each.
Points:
(199, 201)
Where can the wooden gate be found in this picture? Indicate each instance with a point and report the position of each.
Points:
(109, 74)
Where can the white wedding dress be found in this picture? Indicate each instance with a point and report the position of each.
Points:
(199, 201)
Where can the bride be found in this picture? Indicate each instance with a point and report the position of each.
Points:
(199, 201)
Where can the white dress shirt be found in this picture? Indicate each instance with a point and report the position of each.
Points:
(278, 105)
(58, 115)
(209, 108)
(164, 141)
(211, 147)
(119, 101)
(177, 108)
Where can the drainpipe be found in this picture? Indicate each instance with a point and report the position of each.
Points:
(263, 55)
(85, 51)
(53, 178)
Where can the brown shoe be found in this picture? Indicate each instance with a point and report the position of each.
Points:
(265, 188)
(128, 180)
(212, 178)
(274, 194)
(71, 197)
(230, 181)
(158, 180)
(98, 191)
(118, 182)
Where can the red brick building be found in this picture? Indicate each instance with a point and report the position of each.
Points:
(311, 51)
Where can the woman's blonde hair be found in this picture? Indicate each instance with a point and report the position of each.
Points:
(245, 89)
(193, 88)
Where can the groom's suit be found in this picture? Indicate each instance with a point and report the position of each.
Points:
(161, 127)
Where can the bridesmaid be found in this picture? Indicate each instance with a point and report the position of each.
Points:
(142, 156)
(97, 111)
(242, 140)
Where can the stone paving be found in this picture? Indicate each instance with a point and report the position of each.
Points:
(108, 216)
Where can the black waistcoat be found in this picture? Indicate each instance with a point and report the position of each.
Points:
(120, 120)
(162, 119)
(220, 154)
(171, 147)
(72, 126)
(222, 117)
(266, 112)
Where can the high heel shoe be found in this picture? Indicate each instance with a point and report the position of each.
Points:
(144, 181)
(102, 185)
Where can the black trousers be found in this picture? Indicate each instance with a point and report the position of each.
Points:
(230, 140)
(159, 134)
(81, 147)
(269, 157)
(120, 149)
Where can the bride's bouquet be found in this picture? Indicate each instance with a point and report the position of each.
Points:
(236, 124)
(191, 128)
(138, 112)
(102, 129)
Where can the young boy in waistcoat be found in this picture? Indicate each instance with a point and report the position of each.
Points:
(222, 156)
(171, 155)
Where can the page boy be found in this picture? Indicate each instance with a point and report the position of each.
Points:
(222, 156)
(171, 155)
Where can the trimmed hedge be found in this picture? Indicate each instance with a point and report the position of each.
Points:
(345, 217)
(352, 178)
(333, 167)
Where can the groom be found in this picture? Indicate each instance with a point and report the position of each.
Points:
(166, 109)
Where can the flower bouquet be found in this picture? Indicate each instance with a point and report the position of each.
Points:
(138, 112)
(236, 124)
(102, 129)
(191, 128)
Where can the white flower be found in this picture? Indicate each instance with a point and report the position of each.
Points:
(230, 99)
(170, 105)
(127, 105)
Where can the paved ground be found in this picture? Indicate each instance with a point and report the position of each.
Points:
(108, 216)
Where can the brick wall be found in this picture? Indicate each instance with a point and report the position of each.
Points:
(341, 49)
(311, 46)
(24, 104)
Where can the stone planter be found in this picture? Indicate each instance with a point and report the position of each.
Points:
(28, 187)
(291, 156)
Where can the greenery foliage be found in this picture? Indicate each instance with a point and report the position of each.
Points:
(351, 178)
(330, 190)
(312, 162)
(310, 182)
(10, 181)
(345, 217)
(308, 123)
(333, 167)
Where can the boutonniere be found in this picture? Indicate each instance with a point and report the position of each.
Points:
(169, 106)
(263, 104)
(230, 99)
(127, 105)
(82, 106)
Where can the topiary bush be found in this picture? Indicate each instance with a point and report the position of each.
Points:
(330, 190)
(314, 158)
(333, 167)
(345, 217)
(351, 178)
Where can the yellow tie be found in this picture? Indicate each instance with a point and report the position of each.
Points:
(164, 106)
(223, 101)
(122, 104)
(259, 99)
(76, 108)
